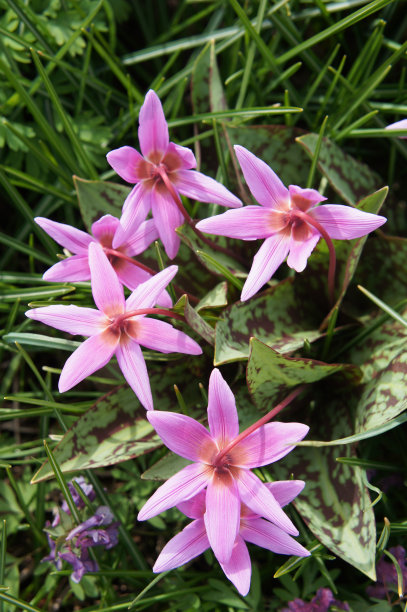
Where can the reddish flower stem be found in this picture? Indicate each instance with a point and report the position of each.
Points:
(332, 255)
(190, 222)
(144, 311)
(267, 417)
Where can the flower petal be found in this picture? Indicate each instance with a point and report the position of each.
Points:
(267, 444)
(126, 161)
(90, 356)
(146, 294)
(135, 209)
(198, 186)
(132, 276)
(345, 222)
(75, 240)
(263, 182)
(167, 217)
(105, 228)
(222, 516)
(153, 128)
(72, 319)
(141, 239)
(195, 507)
(186, 155)
(303, 199)
(186, 545)
(268, 258)
(248, 223)
(261, 501)
(265, 534)
(222, 413)
(107, 290)
(285, 491)
(183, 435)
(300, 250)
(239, 568)
(162, 336)
(132, 364)
(70, 270)
(180, 487)
(398, 125)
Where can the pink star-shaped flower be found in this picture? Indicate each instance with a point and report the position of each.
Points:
(193, 540)
(76, 268)
(118, 327)
(290, 220)
(160, 174)
(222, 464)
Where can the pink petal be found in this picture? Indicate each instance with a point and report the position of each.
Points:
(141, 239)
(180, 487)
(195, 507)
(248, 223)
(107, 290)
(126, 162)
(146, 294)
(72, 319)
(162, 336)
(222, 413)
(132, 364)
(131, 276)
(183, 435)
(268, 258)
(135, 209)
(303, 199)
(167, 217)
(239, 568)
(153, 128)
(267, 444)
(265, 534)
(198, 186)
(73, 269)
(300, 250)
(285, 491)
(261, 501)
(191, 542)
(222, 516)
(263, 182)
(398, 125)
(186, 156)
(105, 228)
(90, 356)
(345, 222)
(69, 237)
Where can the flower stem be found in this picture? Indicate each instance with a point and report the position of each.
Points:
(158, 311)
(332, 255)
(267, 417)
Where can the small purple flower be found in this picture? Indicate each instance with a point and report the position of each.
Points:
(81, 565)
(398, 125)
(322, 602)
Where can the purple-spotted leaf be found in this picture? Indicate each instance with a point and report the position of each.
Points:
(114, 429)
(194, 320)
(278, 317)
(215, 298)
(166, 467)
(335, 502)
(270, 375)
(350, 178)
(98, 198)
(206, 86)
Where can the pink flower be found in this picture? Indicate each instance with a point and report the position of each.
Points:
(290, 220)
(222, 463)
(118, 327)
(160, 175)
(193, 541)
(398, 125)
(76, 268)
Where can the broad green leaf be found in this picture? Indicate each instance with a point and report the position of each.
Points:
(194, 320)
(113, 430)
(206, 87)
(215, 298)
(270, 374)
(166, 467)
(278, 317)
(351, 179)
(98, 198)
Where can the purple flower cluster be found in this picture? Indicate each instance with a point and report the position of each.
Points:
(322, 602)
(72, 544)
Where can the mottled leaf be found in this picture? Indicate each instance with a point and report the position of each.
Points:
(216, 298)
(270, 374)
(194, 320)
(166, 467)
(98, 198)
(350, 178)
(206, 86)
(113, 430)
(277, 317)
